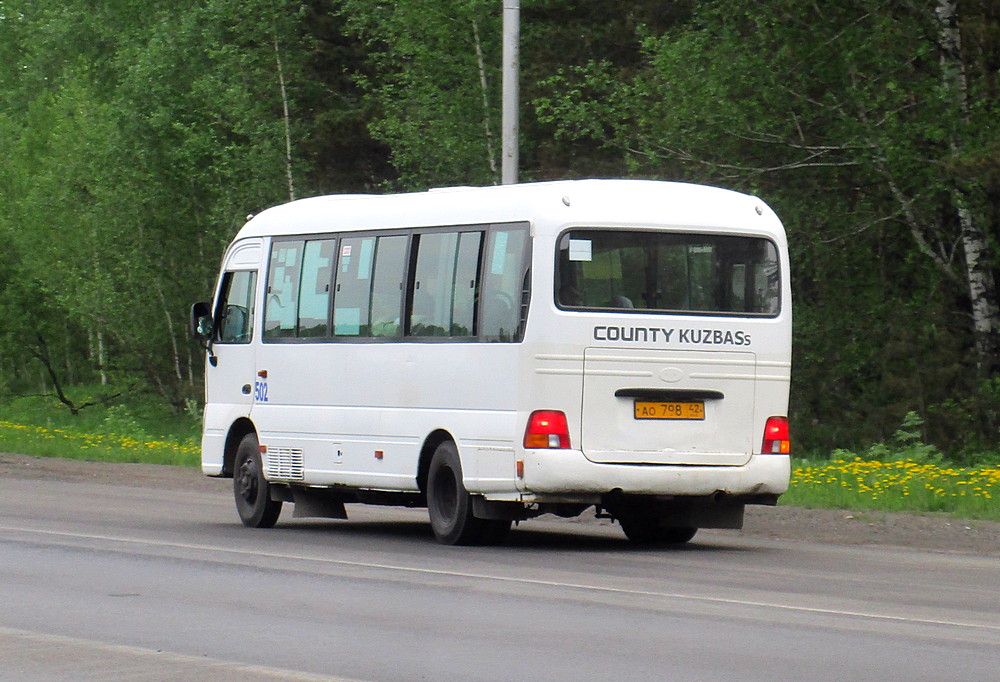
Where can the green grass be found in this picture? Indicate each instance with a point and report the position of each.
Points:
(904, 474)
(104, 447)
(897, 486)
(119, 433)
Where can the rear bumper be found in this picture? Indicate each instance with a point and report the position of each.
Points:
(567, 473)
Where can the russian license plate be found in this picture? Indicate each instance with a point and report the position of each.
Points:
(673, 410)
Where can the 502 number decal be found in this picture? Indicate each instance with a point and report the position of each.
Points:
(260, 391)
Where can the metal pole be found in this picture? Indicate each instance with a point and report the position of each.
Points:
(511, 91)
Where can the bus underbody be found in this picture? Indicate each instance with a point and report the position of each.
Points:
(644, 518)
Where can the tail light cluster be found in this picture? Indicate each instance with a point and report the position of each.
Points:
(547, 429)
(776, 440)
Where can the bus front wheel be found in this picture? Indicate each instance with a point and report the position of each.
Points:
(251, 489)
(449, 504)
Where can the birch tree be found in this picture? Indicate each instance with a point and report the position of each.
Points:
(820, 96)
(143, 142)
(967, 197)
(872, 129)
(433, 82)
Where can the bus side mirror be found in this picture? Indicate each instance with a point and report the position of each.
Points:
(202, 326)
(201, 321)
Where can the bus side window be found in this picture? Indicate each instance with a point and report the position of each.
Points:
(351, 301)
(767, 281)
(503, 280)
(387, 287)
(445, 284)
(314, 293)
(236, 307)
(281, 304)
(463, 300)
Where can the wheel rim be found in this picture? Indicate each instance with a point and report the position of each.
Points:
(248, 481)
(445, 493)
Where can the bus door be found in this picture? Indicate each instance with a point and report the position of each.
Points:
(231, 378)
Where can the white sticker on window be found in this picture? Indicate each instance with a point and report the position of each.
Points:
(580, 250)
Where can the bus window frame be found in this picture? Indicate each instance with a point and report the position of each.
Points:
(222, 302)
(412, 234)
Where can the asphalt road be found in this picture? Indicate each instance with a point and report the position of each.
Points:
(105, 581)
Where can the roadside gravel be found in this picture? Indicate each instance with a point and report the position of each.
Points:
(932, 532)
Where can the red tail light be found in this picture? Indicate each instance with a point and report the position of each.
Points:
(776, 440)
(547, 429)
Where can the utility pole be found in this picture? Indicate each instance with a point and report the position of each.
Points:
(511, 90)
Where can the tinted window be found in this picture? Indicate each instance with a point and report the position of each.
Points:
(280, 310)
(504, 283)
(354, 281)
(463, 299)
(464, 283)
(444, 284)
(668, 272)
(314, 293)
(236, 304)
(387, 286)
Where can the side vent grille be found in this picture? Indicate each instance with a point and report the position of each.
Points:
(284, 464)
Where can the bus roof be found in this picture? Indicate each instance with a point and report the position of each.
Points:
(548, 206)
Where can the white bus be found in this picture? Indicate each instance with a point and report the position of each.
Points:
(499, 353)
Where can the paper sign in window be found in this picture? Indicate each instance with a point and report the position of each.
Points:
(580, 250)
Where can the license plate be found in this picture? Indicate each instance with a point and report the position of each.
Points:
(675, 410)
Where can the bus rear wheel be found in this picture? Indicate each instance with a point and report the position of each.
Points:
(648, 529)
(251, 489)
(449, 504)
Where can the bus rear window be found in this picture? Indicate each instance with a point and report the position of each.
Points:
(671, 272)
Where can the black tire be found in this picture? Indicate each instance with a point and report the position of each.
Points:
(676, 535)
(251, 490)
(494, 531)
(449, 504)
(643, 528)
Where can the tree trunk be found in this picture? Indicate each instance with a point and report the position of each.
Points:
(288, 129)
(483, 84)
(171, 333)
(981, 284)
(102, 358)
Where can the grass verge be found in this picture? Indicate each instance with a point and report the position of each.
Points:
(115, 433)
(896, 486)
(104, 447)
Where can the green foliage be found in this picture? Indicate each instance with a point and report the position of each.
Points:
(896, 486)
(906, 445)
(903, 474)
(143, 430)
(139, 137)
(968, 425)
(119, 420)
(431, 65)
(841, 117)
(136, 136)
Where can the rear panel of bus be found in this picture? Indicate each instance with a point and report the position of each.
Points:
(665, 346)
